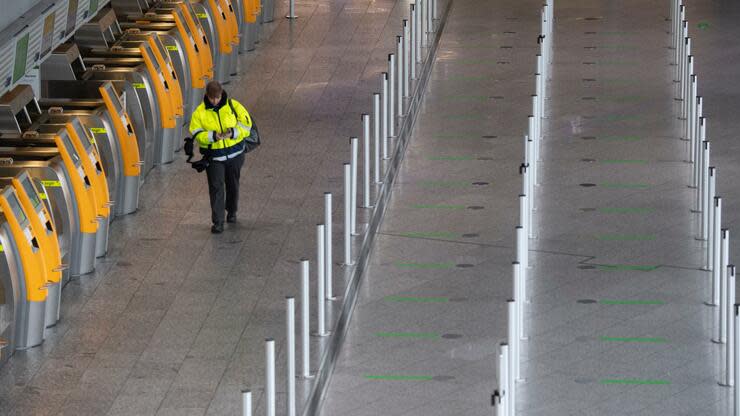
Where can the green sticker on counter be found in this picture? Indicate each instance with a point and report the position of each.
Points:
(202, 15)
(171, 47)
(138, 85)
(2, 249)
(98, 130)
(42, 195)
(53, 184)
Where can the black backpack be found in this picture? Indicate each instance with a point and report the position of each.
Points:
(253, 140)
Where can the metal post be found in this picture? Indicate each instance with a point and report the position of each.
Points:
(520, 292)
(290, 356)
(724, 288)
(406, 58)
(376, 125)
(423, 21)
(716, 250)
(399, 76)
(513, 350)
(523, 217)
(320, 281)
(391, 95)
(434, 11)
(329, 245)
(270, 377)
(412, 43)
(354, 146)
(418, 12)
(384, 113)
(246, 403)
(704, 189)
(291, 10)
(305, 320)
(503, 378)
(731, 340)
(736, 359)
(376, 147)
(347, 219)
(365, 166)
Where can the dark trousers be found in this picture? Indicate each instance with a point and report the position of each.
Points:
(223, 186)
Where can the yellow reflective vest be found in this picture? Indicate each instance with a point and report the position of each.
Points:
(208, 121)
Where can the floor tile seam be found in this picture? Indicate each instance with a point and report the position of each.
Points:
(443, 240)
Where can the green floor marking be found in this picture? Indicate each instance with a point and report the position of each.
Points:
(445, 184)
(622, 138)
(626, 210)
(703, 25)
(461, 135)
(465, 78)
(424, 266)
(621, 117)
(617, 185)
(398, 377)
(634, 381)
(631, 302)
(626, 237)
(626, 267)
(430, 234)
(657, 340)
(418, 299)
(625, 161)
(450, 158)
(425, 335)
(437, 206)
(614, 33)
(626, 98)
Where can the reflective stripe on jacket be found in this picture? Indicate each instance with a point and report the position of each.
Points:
(208, 121)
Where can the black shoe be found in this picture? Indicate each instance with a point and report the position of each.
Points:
(231, 218)
(217, 228)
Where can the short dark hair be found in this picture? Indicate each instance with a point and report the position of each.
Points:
(214, 89)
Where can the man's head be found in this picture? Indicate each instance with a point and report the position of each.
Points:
(213, 92)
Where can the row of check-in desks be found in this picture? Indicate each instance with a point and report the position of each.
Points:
(113, 103)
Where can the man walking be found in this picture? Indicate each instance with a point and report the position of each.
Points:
(220, 125)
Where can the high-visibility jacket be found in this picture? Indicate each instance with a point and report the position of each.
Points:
(208, 121)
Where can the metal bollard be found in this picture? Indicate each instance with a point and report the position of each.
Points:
(435, 16)
(384, 114)
(320, 281)
(246, 403)
(716, 250)
(399, 76)
(347, 214)
(412, 40)
(406, 58)
(724, 288)
(290, 356)
(305, 320)
(365, 169)
(709, 203)
(736, 358)
(270, 377)
(376, 147)
(354, 150)
(696, 145)
(523, 217)
(520, 293)
(291, 10)
(391, 95)
(703, 189)
(418, 12)
(730, 349)
(503, 378)
(328, 245)
(376, 123)
(513, 354)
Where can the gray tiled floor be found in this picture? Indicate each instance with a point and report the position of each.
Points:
(173, 320)
(566, 359)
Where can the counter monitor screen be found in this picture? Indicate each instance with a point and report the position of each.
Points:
(15, 206)
(70, 147)
(31, 191)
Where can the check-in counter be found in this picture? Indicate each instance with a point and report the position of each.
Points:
(248, 15)
(116, 141)
(219, 21)
(60, 169)
(136, 104)
(43, 228)
(27, 271)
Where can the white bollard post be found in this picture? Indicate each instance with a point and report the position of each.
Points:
(354, 145)
(520, 292)
(376, 122)
(391, 95)
(320, 280)
(347, 214)
(435, 16)
(329, 245)
(709, 203)
(246, 403)
(730, 349)
(706, 170)
(305, 320)
(523, 217)
(418, 12)
(412, 43)
(513, 354)
(406, 58)
(384, 114)
(503, 378)
(716, 250)
(291, 10)
(724, 288)
(290, 356)
(376, 148)
(736, 358)
(269, 377)
(399, 75)
(696, 145)
(366, 161)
